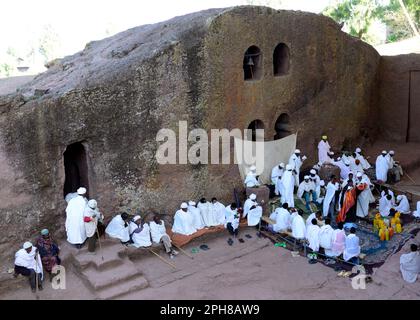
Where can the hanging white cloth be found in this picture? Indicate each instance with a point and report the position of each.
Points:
(118, 228)
(352, 248)
(404, 205)
(75, 226)
(287, 188)
(157, 231)
(332, 188)
(207, 213)
(29, 261)
(198, 221)
(254, 216)
(140, 236)
(410, 266)
(219, 212)
(382, 166)
(312, 235)
(282, 220)
(298, 226)
(183, 223)
(326, 234)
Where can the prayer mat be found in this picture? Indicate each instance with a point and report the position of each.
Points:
(204, 247)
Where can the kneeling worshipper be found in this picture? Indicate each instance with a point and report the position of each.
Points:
(385, 205)
(410, 264)
(139, 233)
(198, 222)
(91, 217)
(287, 186)
(312, 235)
(402, 204)
(119, 228)
(183, 221)
(349, 203)
(48, 250)
(232, 222)
(416, 213)
(352, 250)
(314, 215)
(282, 219)
(326, 234)
(207, 213)
(159, 235)
(298, 225)
(28, 263)
(218, 211)
(75, 227)
(338, 242)
(254, 215)
(251, 179)
(365, 197)
(381, 167)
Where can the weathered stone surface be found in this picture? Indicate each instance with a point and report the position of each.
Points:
(117, 93)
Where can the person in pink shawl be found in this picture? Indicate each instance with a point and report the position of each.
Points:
(338, 242)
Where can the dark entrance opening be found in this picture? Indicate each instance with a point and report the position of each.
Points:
(75, 168)
(252, 63)
(253, 126)
(282, 126)
(281, 62)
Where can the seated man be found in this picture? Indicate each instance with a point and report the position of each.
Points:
(232, 222)
(416, 213)
(198, 221)
(139, 233)
(251, 201)
(352, 250)
(410, 264)
(312, 235)
(282, 219)
(251, 179)
(230, 210)
(326, 235)
(315, 215)
(218, 211)
(159, 235)
(306, 190)
(28, 263)
(183, 221)
(207, 213)
(298, 225)
(254, 215)
(338, 242)
(119, 228)
(48, 250)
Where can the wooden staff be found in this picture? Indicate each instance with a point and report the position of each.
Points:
(164, 260)
(184, 252)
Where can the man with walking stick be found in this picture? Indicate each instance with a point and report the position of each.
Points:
(91, 216)
(28, 263)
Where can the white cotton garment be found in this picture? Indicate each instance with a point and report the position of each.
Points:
(287, 188)
(183, 223)
(332, 188)
(91, 226)
(296, 162)
(254, 216)
(198, 221)
(230, 212)
(338, 243)
(384, 206)
(312, 235)
(298, 227)
(282, 220)
(305, 187)
(219, 212)
(323, 149)
(27, 260)
(326, 234)
(404, 206)
(75, 226)
(233, 219)
(382, 167)
(352, 248)
(157, 230)
(365, 198)
(251, 180)
(247, 205)
(142, 238)
(410, 266)
(276, 174)
(365, 164)
(117, 229)
(207, 213)
(416, 213)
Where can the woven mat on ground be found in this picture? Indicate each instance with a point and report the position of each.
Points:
(180, 240)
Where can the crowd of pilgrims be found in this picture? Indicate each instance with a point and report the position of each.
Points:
(338, 203)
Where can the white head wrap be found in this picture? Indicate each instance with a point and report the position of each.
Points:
(358, 150)
(136, 218)
(27, 245)
(392, 152)
(359, 174)
(81, 191)
(312, 171)
(384, 152)
(297, 151)
(253, 196)
(191, 203)
(92, 204)
(184, 205)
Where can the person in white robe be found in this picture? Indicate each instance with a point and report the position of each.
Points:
(287, 186)
(416, 213)
(251, 201)
(320, 192)
(254, 215)
(231, 210)
(314, 215)
(207, 213)
(328, 206)
(410, 264)
(276, 173)
(296, 162)
(75, 226)
(352, 250)
(323, 150)
(91, 217)
(356, 166)
(232, 222)
(312, 235)
(326, 234)
(365, 197)
(28, 263)
(70, 196)
(394, 168)
(140, 233)
(387, 191)
(359, 156)
(282, 219)
(306, 190)
(198, 221)
(338, 242)
(402, 204)
(385, 205)
(183, 221)
(119, 228)
(344, 166)
(218, 211)
(159, 235)
(298, 225)
(251, 179)
(381, 167)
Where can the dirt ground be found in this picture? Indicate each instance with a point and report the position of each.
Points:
(255, 269)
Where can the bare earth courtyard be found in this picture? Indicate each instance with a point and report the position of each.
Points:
(255, 269)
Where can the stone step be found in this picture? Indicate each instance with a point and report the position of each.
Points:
(125, 287)
(112, 257)
(98, 280)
